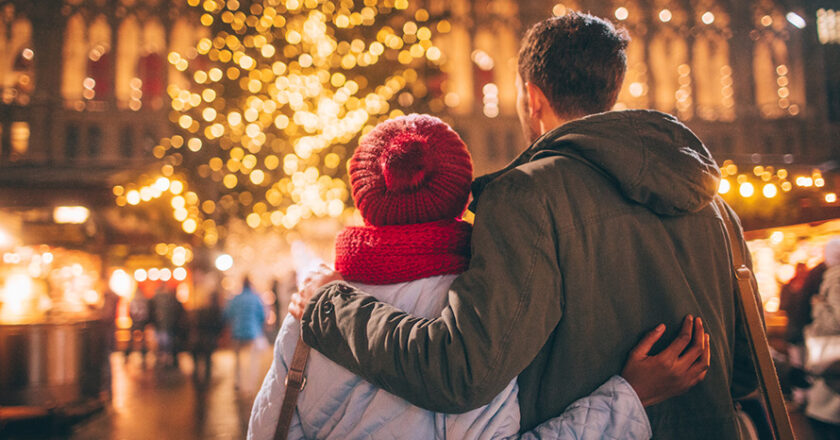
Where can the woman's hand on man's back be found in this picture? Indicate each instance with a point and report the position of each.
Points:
(675, 369)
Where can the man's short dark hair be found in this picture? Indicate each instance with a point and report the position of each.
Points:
(577, 60)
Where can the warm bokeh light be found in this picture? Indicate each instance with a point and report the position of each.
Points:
(770, 190)
(746, 189)
(224, 262)
(276, 100)
(621, 13)
(70, 214)
(121, 283)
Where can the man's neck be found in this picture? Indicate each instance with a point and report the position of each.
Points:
(549, 121)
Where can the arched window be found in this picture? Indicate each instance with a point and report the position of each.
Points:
(140, 75)
(128, 48)
(151, 68)
(635, 92)
(710, 62)
(457, 44)
(484, 72)
(670, 61)
(777, 63)
(16, 57)
(88, 73)
(100, 73)
(185, 34)
(75, 60)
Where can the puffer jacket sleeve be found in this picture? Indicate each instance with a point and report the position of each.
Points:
(266, 410)
(613, 411)
(499, 315)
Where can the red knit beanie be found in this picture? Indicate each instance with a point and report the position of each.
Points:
(411, 169)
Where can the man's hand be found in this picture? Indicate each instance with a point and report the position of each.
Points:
(311, 284)
(675, 370)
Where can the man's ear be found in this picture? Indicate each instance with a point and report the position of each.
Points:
(537, 102)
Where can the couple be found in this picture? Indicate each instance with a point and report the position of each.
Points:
(599, 231)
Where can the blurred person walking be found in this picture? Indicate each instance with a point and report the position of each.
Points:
(795, 299)
(138, 311)
(207, 324)
(245, 314)
(822, 342)
(168, 318)
(108, 313)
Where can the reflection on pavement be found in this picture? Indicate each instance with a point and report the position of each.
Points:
(151, 403)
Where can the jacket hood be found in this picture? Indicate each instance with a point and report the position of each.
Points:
(653, 158)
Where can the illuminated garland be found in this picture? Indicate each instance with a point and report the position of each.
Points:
(768, 182)
(276, 100)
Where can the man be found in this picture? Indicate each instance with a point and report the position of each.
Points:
(245, 314)
(598, 231)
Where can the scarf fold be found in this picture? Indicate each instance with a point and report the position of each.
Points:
(399, 253)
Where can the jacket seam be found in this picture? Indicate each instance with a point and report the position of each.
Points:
(642, 148)
(518, 313)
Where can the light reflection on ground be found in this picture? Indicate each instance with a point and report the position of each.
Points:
(160, 404)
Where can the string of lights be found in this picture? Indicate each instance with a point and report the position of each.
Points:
(274, 103)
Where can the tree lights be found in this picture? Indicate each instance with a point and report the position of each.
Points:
(277, 99)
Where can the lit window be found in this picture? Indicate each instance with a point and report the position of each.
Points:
(19, 139)
(828, 26)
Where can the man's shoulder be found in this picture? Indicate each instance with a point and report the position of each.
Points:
(543, 175)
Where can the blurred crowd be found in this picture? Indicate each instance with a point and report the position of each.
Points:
(161, 328)
(810, 366)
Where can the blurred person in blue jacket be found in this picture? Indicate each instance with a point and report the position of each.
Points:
(245, 314)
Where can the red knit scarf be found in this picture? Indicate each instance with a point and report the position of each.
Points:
(400, 253)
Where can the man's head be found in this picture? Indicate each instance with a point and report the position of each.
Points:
(569, 67)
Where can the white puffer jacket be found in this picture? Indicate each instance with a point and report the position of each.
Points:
(336, 404)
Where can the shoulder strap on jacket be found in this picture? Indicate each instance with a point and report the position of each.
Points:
(295, 381)
(749, 308)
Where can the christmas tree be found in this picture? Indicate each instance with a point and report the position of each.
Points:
(274, 103)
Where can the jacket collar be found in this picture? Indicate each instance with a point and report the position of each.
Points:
(544, 146)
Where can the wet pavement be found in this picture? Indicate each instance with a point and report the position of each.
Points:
(161, 404)
(156, 403)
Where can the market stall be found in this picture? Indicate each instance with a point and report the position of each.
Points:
(779, 253)
(53, 340)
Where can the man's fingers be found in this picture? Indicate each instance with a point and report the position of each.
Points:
(678, 345)
(643, 348)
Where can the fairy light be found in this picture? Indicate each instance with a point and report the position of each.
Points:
(622, 13)
(277, 99)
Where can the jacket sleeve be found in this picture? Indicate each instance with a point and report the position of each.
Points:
(613, 411)
(500, 312)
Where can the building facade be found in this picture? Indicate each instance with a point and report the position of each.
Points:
(83, 82)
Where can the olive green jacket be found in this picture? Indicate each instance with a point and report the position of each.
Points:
(598, 232)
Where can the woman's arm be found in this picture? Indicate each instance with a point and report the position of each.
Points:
(617, 408)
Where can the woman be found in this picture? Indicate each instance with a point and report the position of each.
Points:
(410, 179)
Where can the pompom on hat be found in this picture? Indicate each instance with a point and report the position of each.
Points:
(410, 169)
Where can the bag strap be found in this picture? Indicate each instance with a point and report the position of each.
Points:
(295, 381)
(749, 307)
